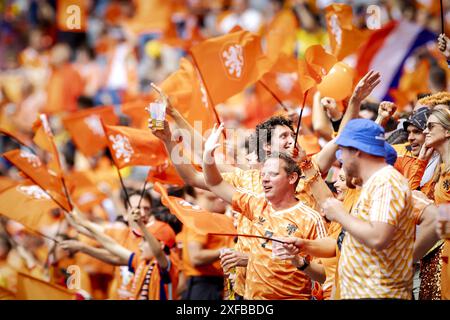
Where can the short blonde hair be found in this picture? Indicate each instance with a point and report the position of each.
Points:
(435, 99)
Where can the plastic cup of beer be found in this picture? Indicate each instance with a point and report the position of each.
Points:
(157, 114)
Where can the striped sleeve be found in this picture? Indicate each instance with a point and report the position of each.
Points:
(387, 203)
(243, 201)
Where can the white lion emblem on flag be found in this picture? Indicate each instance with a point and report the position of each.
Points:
(94, 124)
(122, 147)
(234, 60)
(336, 29)
(31, 158)
(286, 81)
(35, 192)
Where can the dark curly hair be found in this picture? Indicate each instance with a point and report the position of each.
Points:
(264, 131)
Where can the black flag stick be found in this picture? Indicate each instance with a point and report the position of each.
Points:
(300, 116)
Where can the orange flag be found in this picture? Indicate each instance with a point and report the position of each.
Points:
(29, 205)
(86, 129)
(72, 15)
(283, 80)
(194, 217)
(189, 97)
(345, 38)
(281, 34)
(43, 138)
(318, 62)
(84, 191)
(135, 110)
(33, 168)
(230, 63)
(19, 137)
(6, 182)
(31, 288)
(151, 16)
(134, 147)
(165, 173)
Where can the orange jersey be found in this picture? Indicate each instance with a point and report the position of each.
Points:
(441, 196)
(208, 242)
(368, 273)
(269, 278)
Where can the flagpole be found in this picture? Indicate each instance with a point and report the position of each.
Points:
(143, 191)
(273, 95)
(442, 18)
(123, 186)
(300, 116)
(207, 92)
(247, 236)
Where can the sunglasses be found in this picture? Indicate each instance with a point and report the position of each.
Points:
(431, 125)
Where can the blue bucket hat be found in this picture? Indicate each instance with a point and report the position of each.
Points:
(391, 154)
(364, 135)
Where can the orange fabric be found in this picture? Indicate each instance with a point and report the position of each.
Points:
(32, 167)
(134, 147)
(136, 111)
(150, 16)
(64, 87)
(442, 195)
(194, 217)
(8, 281)
(282, 80)
(71, 15)
(281, 34)
(267, 277)
(189, 96)
(165, 173)
(31, 288)
(367, 273)
(86, 129)
(409, 166)
(44, 139)
(28, 204)
(84, 191)
(345, 38)
(318, 62)
(6, 183)
(207, 242)
(230, 63)
(16, 135)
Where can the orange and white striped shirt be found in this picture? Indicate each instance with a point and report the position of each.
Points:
(267, 277)
(368, 273)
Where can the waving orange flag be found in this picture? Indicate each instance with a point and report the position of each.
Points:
(43, 137)
(165, 173)
(134, 147)
(86, 129)
(189, 97)
(33, 168)
(345, 38)
(83, 190)
(194, 217)
(28, 204)
(230, 63)
(281, 34)
(31, 288)
(135, 110)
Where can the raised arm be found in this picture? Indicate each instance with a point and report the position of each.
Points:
(107, 242)
(326, 156)
(213, 179)
(386, 110)
(182, 164)
(98, 253)
(154, 244)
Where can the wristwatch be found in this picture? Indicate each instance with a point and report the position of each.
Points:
(305, 264)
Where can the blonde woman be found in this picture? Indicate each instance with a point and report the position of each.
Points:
(435, 276)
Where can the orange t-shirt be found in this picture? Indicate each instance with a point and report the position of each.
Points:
(208, 242)
(441, 196)
(269, 278)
